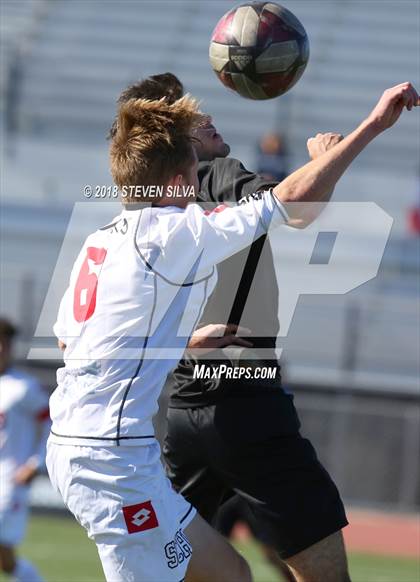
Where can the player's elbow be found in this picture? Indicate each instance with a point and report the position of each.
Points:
(297, 223)
(302, 214)
(300, 209)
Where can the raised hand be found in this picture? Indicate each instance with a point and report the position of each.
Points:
(321, 143)
(391, 104)
(26, 473)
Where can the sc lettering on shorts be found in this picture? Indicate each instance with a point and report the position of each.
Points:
(178, 550)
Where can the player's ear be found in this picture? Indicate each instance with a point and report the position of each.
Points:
(175, 180)
(174, 184)
(179, 180)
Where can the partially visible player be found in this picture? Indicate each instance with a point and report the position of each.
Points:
(136, 293)
(24, 428)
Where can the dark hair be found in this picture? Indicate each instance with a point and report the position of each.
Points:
(7, 329)
(152, 88)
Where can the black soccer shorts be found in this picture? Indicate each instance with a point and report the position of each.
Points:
(251, 446)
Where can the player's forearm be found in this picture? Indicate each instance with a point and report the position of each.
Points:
(316, 181)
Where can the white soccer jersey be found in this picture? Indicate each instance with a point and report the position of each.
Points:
(136, 293)
(23, 404)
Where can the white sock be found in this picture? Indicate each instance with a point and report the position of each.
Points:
(26, 572)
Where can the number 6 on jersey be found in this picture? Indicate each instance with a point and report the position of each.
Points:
(86, 285)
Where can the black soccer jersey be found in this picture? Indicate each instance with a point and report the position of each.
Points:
(253, 303)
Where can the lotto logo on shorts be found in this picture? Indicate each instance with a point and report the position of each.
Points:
(140, 517)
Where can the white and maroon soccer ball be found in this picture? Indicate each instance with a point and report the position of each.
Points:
(259, 49)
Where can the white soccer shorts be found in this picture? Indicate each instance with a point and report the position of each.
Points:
(123, 499)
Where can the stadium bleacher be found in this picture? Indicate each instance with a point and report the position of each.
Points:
(85, 52)
(79, 55)
(19, 24)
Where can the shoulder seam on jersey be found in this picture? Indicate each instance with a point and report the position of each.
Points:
(149, 266)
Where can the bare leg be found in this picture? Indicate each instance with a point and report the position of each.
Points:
(7, 559)
(272, 556)
(213, 557)
(325, 561)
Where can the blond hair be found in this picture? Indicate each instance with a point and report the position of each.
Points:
(152, 142)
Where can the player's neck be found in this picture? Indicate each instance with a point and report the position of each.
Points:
(180, 202)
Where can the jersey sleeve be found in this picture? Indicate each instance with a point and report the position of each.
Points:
(191, 242)
(226, 179)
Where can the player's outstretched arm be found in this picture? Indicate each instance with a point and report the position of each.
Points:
(315, 181)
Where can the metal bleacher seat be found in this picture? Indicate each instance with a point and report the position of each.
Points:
(18, 22)
(370, 47)
(87, 52)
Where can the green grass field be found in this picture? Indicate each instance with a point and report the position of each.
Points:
(63, 553)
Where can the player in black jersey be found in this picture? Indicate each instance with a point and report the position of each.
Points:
(228, 437)
(242, 437)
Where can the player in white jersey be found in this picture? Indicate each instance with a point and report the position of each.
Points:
(24, 428)
(135, 295)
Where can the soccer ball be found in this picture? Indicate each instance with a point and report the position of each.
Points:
(259, 49)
